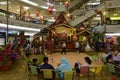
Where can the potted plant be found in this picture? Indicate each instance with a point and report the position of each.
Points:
(6, 58)
(5, 63)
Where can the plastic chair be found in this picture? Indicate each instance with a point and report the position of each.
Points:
(111, 68)
(47, 73)
(33, 71)
(96, 71)
(84, 71)
(104, 60)
(68, 75)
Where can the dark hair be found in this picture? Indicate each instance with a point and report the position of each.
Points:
(34, 60)
(88, 60)
(45, 59)
(76, 65)
(108, 58)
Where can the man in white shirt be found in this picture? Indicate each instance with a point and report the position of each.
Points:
(63, 48)
(77, 45)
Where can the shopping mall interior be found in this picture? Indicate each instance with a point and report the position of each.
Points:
(59, 40)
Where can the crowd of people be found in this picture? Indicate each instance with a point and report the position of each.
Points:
(113, 57)
(62, 67)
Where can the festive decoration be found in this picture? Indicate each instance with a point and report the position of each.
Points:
(50, 9)
(75, 37)
(67, 4)
(96, 10)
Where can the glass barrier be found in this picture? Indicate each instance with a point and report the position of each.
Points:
(23, 18)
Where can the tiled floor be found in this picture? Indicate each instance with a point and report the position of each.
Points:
(18, 70)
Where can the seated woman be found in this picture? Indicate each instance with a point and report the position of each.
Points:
(64, 66)
(77, 65)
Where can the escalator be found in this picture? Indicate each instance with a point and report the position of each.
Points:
(76, 4)
(100, 29)
(113, 28)
(88, 14)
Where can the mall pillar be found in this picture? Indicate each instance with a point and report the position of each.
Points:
(7, 15)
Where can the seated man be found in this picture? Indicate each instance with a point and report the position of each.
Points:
(34, 63)
(46, 65)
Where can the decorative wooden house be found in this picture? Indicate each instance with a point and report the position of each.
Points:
(61, 31)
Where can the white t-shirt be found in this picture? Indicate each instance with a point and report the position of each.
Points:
(86, 64)
(77, 45)
(64, 45)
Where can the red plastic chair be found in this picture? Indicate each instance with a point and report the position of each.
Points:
(84, 71)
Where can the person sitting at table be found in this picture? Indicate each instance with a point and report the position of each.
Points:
(64, 66)
(78, 65)
(46, 65)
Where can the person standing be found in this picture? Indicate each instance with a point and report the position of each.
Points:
(77, 45)
(63, 48)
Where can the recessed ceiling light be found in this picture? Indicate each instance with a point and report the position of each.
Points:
(30, 2)
(18, 10)
(115, 14)
(19, 28)
(4, 2)
(25, 7)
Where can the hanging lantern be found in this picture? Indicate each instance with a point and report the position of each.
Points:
(67, 4)
(50, 9)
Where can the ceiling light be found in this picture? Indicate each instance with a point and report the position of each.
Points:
(4, 2)
(19, 27)
(112, 34)
(29, 33)
(115, 14)
(44, 7)
(18, 10)
(96, 3)
(25, 7)
(115, 18)
(29, 2)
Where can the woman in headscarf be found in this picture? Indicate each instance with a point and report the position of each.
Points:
(64, 66)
